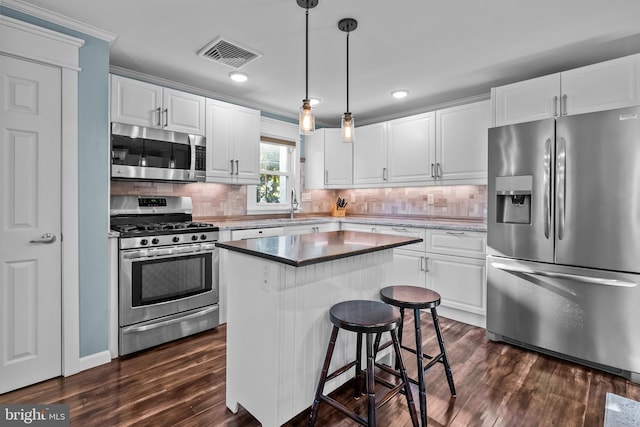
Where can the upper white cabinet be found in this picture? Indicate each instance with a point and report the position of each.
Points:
(602, 86)
(411, 149)
(397, 151)
(461, 142)
(370, 154)
(233, 143)
(144, 104)
(328, 160)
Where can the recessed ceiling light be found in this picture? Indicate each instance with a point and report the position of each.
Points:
(315, 101)
(238, 77)
(401, 93)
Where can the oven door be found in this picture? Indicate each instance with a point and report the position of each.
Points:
(158, 282)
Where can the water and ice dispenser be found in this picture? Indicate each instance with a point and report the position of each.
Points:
(513, 199)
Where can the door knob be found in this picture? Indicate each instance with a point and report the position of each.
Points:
(46, 238)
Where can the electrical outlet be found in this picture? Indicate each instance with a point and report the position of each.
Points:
(430, 198)
(353, 197)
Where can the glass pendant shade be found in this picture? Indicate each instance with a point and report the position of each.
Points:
(348, 128)
(307, 121)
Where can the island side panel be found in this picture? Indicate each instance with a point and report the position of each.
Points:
(278, 318)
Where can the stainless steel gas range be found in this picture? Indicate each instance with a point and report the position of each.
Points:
(167, 271)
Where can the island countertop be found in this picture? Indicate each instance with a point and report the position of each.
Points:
(306, 249)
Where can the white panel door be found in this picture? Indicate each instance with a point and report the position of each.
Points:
(246, 137)
(338, 160)
(603, 86)
(461, 141)
(30, 194)
(370, 154)
(183, 112)
(529, 100)
(460, 281)
(219, 133)
(136, 103)
(410, 148)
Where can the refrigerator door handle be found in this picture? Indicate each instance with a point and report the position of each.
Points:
(561, 180)
(576, 277)
(547, 188)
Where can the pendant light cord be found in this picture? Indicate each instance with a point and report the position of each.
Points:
(306, 49)
(348, 32)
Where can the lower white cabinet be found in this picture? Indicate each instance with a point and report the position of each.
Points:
(451, 262)
(292, 230)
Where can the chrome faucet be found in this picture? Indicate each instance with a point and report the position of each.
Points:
(294, 202)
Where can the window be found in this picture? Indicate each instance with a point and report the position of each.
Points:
(277, 177)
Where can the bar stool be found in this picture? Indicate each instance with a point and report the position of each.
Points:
(417, 298)
(369, 318)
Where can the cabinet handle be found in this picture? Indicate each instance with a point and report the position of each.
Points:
(384, 174)
(159, 110)
(438, 170)
(424, 264)
(166, 117)
(555, 106)
(399, 228)
(237, 166)
(231, 166)
(563, 105)
(433, 171)
(455, 233)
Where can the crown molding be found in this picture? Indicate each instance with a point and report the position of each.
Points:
(56, 18)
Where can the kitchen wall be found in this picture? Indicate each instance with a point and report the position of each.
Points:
(221, 200)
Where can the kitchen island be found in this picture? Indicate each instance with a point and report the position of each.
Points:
(279, 291)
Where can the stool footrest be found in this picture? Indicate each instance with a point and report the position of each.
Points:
(340, 407)
(341, 370)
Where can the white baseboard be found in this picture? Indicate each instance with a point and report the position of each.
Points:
(94, 360)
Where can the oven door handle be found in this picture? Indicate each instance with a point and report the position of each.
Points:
(143, 328)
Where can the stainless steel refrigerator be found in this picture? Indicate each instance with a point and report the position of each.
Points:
(563, 242)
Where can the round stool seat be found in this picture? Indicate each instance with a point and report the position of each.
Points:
(364, 316)
(410, 297)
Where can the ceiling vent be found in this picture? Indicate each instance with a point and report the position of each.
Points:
(228, 52)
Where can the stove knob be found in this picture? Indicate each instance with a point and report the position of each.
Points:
(155, 241)
(203, 237)
(176, 239)
(144, 242)
(194, 237)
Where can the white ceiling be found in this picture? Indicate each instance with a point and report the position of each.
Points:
(440, 51)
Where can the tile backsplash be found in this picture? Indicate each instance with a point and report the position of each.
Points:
(221, 200)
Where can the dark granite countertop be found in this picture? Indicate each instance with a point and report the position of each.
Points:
(306, 249)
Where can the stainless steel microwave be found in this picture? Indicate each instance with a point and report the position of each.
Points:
(148, 154)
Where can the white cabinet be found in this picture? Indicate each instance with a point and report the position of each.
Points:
(461, 142)
(233, 143)
(328, 160)
(144, 104)
(597, 87)
(397, 151)
(370, 154)
(411, 149)
(447, 146)
(455, 264)
(292, 230)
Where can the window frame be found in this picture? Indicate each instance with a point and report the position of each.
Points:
(292, 183)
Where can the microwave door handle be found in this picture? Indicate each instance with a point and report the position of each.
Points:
(547, 188)
(561, 182)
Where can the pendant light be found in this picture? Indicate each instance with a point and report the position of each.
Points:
(307, 123)
(347, 123)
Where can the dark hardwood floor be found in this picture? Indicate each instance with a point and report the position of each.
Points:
(183, 384)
